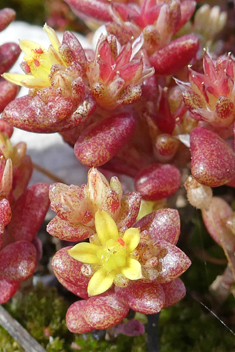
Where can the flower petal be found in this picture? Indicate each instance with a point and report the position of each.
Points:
(85, 253)
(27, 46)
(106, 227)
(133, 270)
(131, 238)
(52, 36)
(28, 81)
(100, 282)
(15, 78)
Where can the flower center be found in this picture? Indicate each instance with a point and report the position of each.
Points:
(38, 63)
(113, 254)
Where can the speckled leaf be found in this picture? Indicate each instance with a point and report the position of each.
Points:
(173, 262)
(163, 224)
(157, 181)
(68, 232)
(174, 292)
(174, 56)
(68, 268)
(75, 320)
(146, 298)
(213, 160)
(215, 221)
(130, 206)
(29, 212)
(103, 139)
(7, 290)
(18, 261)
(104, 311)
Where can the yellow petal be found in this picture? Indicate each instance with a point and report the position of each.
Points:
(131, 238)
(32, 82)
(28, 81)
(106, 227)
(100, 282)
(85, 253)
(133, 270)
(54, 56)
(27, 46)
(52, 36)
(15, 78)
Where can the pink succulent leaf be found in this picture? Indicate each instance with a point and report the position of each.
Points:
(163, 224)
(9, 53)
(104, 311)
(7, 289)
(215, 221)
(68, 202)
(164, 118)
(174, 56)
(187, 8)
(131, 328)
(130, 206)
(102, 140)
(174, 292)
(69, 269)
(213, 160)
(8, 92)
(173, 262)
(75, 320)
(29, 212)
(157, 181)
(6, 128)
(78, 290)
(21, 177)
(90, 9)
(5, 214)
(146, 298)
(18, 261)
(48, 113)
(6, 17)
(72, 42)
(66, 231)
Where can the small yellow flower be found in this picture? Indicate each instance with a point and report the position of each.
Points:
(38, 62)
(111, 253)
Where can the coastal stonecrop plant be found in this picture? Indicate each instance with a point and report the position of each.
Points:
(126, 264)
(149, 102)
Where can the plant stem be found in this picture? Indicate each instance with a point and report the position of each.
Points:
(13, 327)
(48, 173)
(152, 333)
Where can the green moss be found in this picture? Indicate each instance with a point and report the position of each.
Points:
(186, 327)
(42, 312)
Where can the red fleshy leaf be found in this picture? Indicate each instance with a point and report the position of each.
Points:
(18, 261)
(29, 212)
(213, 160)
(157, 181)
(104, 311)
(174, 292)
(103, 139)
(75, 320)
(146, 298)
(163, 224)
(7, 290)
(174, 56)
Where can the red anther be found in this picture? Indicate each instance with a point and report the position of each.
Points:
(121, 241)
(37, 63)
(39, 51)
(27, 68)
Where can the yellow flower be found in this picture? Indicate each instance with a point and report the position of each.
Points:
(38, 62)
(111, 254)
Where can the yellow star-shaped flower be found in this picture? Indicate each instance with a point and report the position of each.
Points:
(38, 62)
(111, 254)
